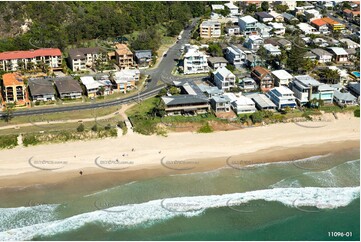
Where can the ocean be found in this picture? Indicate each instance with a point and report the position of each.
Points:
(317, 198)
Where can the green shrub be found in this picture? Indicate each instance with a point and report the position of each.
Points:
(206, 128)
(357, 113)
(257, 117)
(30, 139)
(80, 128)
(95, 128)
(8, 141)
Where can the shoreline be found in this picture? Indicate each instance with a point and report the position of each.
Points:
(276, 142)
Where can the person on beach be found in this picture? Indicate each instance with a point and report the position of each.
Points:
(81, 173)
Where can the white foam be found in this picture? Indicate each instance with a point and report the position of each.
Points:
(11, 218)
(153, 211)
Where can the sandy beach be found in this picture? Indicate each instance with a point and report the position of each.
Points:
(136, 156)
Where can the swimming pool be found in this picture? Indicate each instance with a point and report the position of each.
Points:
(356, 74)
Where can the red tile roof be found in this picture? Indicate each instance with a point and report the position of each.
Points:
(12, 79)
(318, 22)
(29, 53)
(330, 21)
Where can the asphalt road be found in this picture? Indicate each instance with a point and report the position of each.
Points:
(161, 73)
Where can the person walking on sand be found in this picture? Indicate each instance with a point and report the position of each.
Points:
(81, 173)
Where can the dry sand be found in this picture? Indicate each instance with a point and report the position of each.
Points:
(179, 152)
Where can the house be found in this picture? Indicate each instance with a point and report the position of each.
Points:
(333, 25)
(277, 29)
(241, 104)
(264, 30)
(344, 98)
(232, 8)
(306, 88)
(262, 101)
(277, 17)
(285, 44)
(352, 15)
(126, 79)
(248, 25)
(143, 58)
(185, 104)
(320, 42)
(220, 103)
(41, 89)
(123, 56)
(14, 88)
(322, 55)
(248, 84)
(210, 29)
(310, 55)
(307, 29)
(195, 61)
(235, 56)
(282, 96)
(253, 60)
(354, 88)
(311, 14)
(339, 54)
(320, 25)
(263, 78)
(217, 7)
(210, 91)
(289, 18)
(216, 62)
(224, 79)
(272, 50)
(15, 60)
(92, 86)
(68, 88)
(349, 43)
(282, 78)
(81, 58)
(253, 42)
(107, 84)
(264, 17)
(232, 30)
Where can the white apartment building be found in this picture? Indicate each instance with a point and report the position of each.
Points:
(224, 78)
(194, 61)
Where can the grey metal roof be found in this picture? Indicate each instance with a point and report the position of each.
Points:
(355, 87)
(183, 99)
(217, 60)
(66, 85)
(344, 96)
(264, 15)
(321, 52)
(262, 100)
(190, 87)
(221, 99)
(79, 53)
(288, 16)
(307, 80)
(41, 87)
(143, 54)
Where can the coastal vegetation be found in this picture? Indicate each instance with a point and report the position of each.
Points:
(8, 141)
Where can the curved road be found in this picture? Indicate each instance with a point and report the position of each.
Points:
(161, 73)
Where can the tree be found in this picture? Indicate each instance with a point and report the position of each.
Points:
(230, 67)
(9, 112)
(174, 90)
(295, 59)
(95, 128)
(215, 49)
(329, 76)
(265, 6)
(256, 117)
(162, 92)
(251, 8)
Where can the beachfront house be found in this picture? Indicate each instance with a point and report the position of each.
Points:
(220, 103)
(282, 96)
(262, 101)
(41, 89)
(282, 78)
(125, 79)
(306, 88)
(68, 88)
(185, 104)
(344, 98)
(224, 79)
(92, 87)
(241, 104)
